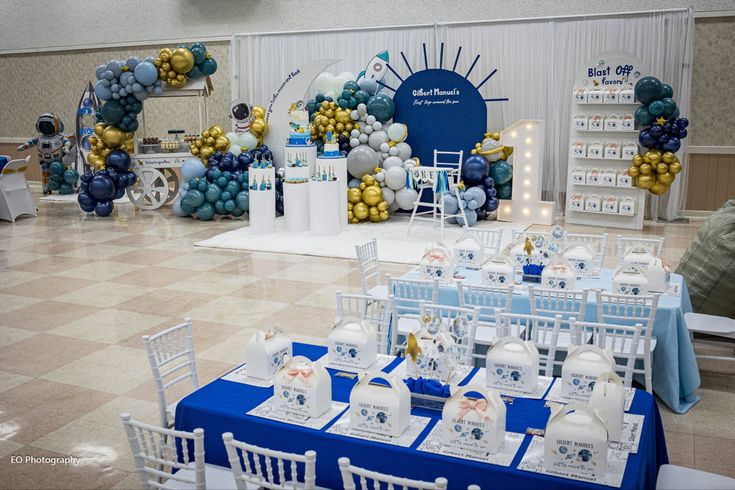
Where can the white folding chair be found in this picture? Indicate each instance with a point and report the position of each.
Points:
(366, 307)
(426, 178)
(717, 326)
(367, 260)
(461, 323)
(622, 309)
(489, 299)
(489, 239)
(349, 472)
(552, 302)
(256, 467)
(404, 300)
(672, 477)
(159, 465)
(654, 246)
(15, 194)
(622, 340)
(597, 245)
(170, 353)
(543, 330)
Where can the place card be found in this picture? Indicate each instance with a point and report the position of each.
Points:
(240, 375)
(382, 361)
(266, 411)
(460, 374)
(533, 461)
(542, 386)
(555, 395)
(406, 439)
(504, 457)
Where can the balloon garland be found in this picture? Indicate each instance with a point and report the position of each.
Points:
(661, 132)
(123, 86)
(366, 201)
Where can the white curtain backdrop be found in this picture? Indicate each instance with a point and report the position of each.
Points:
(537, 61)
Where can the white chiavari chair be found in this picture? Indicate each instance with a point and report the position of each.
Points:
(404, 300)
(621, 340)
(552, 302)
(622, 309)
(654, 246)
(543, 330)
(461, 324)
(159, 465)
(367, 260)
(256, 467)
(489, 299)
(172, 360)
(366, 307)
(490, 239)
(349, 472)
(597, 245)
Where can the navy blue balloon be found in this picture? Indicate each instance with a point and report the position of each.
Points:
(491, 192)
(672, 145)
(663, 138)
(667, 128)
(492, 204)
(683, 122)
(656, 130)
(86, 177)
(120, 192)
(646, 139)
(86, 202)
(475, 170)
(481, 213)
(102, 187)
(682, 133)
(103, 208)
(489, 182)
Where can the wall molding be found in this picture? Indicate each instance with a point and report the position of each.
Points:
(12, 140)
(711, 150)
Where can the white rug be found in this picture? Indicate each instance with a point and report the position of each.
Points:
(66, 198)
(393, 243)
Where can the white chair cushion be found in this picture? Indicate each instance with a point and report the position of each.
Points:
(380, 292)
(672, 477)
(217, 477)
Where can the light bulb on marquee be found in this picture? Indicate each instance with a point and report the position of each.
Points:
(527, 137)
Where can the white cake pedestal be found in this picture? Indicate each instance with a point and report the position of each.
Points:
(324, 207)
(296, 206)
(339, 165)
(262, 214)
(305, 153)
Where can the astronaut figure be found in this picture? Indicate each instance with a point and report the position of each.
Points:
(51, 142)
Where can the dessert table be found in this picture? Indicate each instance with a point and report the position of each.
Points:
(222, 406)
(675, 372)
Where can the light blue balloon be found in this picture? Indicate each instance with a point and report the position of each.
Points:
(141, 95)
(115, 87)
(146, 73)
(104, 93)
(192, 168)
(176, 208)
(99, 71)
(132, 62)
(451, 206)
(369, 85)
(115, 67)
(471, 216)
(123, 92)
(478, 194)
(353, 183)
(107, 74)
(472, 205)
(158, 90)
(137, 87)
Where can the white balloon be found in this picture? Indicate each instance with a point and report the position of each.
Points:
(330, 93)
(354, 133)
(233, 137)
(395, 178)
(354, 115)
(388, 195)
(324, 82)
(361, 109)
(385, 147)
(367, 129)
(392, 162)
(397, 132)
(370, 120)
(363, 138)
(404, 150)
(354, 142)
(377, 125)
(393, 207)
(235, 150)
(377, 138)
(248, 140)
(405, 198)
(380, 177)
(410, 163)
(393, 151)
(341, 79)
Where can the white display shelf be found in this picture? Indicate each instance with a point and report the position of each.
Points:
(617, 62)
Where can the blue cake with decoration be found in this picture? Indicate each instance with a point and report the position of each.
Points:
(299, 134)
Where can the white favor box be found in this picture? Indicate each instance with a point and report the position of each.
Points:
(437, 263)
(610, 204)
(378, 408)
(630, 149)
(580, 122)
(266, 352)
(579, 149)
(582, 366)
(498, 271)
(640, 256)
(608, 398)
(627, 204)
(594, 96)
(624, 179)
(580, 96)
(611, 96)
(593, 176)
(608, 177)
(593, 203)
(468, 252)
(576, 441)
(474, 423)
(612, 122)
(595, 122)
(594, 150)
(579, 175)
(576, 202)
(626, 96)
(658, 275)
(627, 123)
(581, 258)
(630, 279)
(558, 274)
(352, 343)
(512, 363)
(612, 150)
(302, 387)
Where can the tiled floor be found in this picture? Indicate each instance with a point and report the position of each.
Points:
(77, 292)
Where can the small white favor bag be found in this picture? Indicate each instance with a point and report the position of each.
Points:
(380, 408)
(437, 263)
(266, 352)
(468, 252)
(498, 271)
(582, 366)
(352, 343)
(474, 418)
(512, 363)
(630, 279)
(303, 387)
(608, 398)
(576, 441)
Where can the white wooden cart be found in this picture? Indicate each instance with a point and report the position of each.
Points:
(158, 182)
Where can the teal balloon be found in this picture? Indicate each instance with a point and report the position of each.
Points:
(71, 176)
(230, 205)
(656, 108)
(648, 89)
(215, 174)
(53, 185)
(213, 192)
(351, 87)
(65, 188)
(233, 187)
(219, 207)
(56, 168)
(505, 191)
(226, 196)
(205, 212)
(362, 97)
(222, 181)
(669, 106)
(243, 200)
(381, 106)
(195, 198)
(186, 207)
(199, 54)
(208, 66)
(237, 212)
(501, 172)
(667, 91)
(643, 117)
(203, 185)
(112, 112)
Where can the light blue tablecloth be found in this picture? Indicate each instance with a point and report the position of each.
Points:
(675, 371)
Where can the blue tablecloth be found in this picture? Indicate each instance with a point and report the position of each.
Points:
(675, 371)
(221, 406)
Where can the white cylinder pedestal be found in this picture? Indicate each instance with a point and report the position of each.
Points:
(262, 213)
(296, 206)
(339, 166)
(324, 216)
(305, 154)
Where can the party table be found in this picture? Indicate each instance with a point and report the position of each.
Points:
(675, 371)
(222, 406)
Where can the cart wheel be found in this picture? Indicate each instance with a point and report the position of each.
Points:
(150, 191)
(173, 183)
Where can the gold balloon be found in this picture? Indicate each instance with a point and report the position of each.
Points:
(354, 195)
(634, 172)
(92, 140)
(363, 186)
(342, 116)
(668, 157)
(349, 205)
(383, 215)
(165, 52)
(360, 211)
(339, 127)
(675, 167)
(645, 169)
(375, 218)
(257, 127)
(658, 188)
(209, 141)
(645, 181)
(194, 151)
(662, 168)
(653, 157)
(330, 128)
(199, 142)
(325, 105)
(182, 60)
(350, 215)
(637, 160)
(205, 134)
(113, 136)
(372, 195)
(98, 128)
(206, 152)
(166, 67)
(222, 143)
(368, 179)
(667, 178)
(383, 206)
(373, 210)
(258, 112)
(216, 131)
